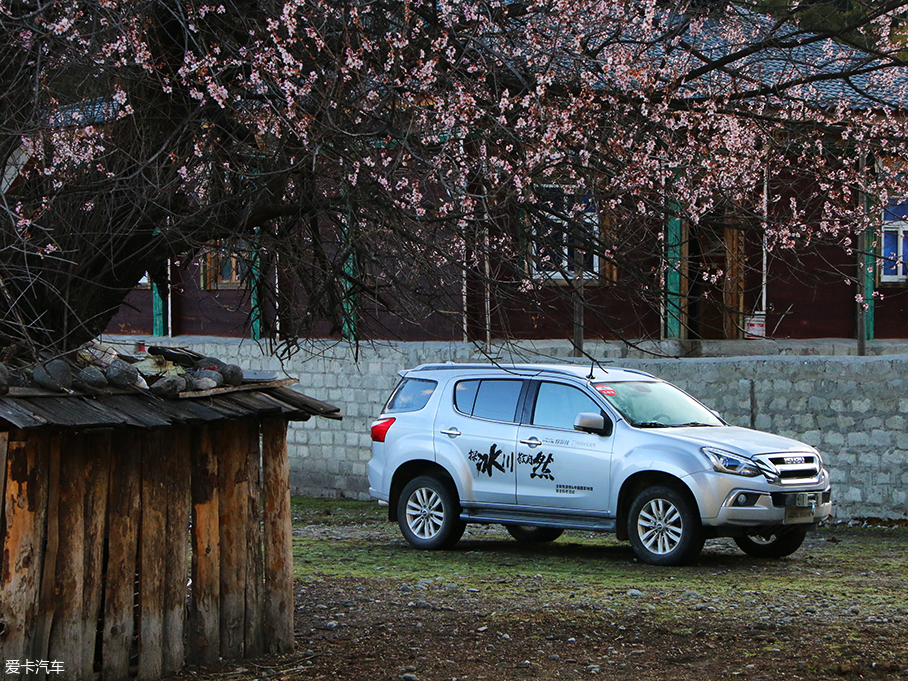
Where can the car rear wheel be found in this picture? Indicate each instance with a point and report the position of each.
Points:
(775, 545)
(664, 527)
(533, 534)
(428, 513)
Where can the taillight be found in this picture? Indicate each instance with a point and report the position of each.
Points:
(380, 429)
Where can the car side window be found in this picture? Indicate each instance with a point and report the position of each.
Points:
(493, 399)
(557, 405)
(465, 396)
(411, 394)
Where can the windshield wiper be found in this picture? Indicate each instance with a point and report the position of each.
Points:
(657, 424)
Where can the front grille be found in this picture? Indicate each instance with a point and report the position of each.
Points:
(794, 468)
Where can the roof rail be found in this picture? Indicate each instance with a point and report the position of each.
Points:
(637, 371)
(521, 369)
(451, 366)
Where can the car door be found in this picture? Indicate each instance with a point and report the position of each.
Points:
(557, 466)
(481, 424)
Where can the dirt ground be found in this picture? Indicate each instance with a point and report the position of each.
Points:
(837, 609)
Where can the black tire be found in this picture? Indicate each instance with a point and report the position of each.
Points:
(664, 527)
(776, 545)
(531, 534)
(428, 513)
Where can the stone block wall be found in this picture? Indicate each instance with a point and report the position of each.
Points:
(853, 409)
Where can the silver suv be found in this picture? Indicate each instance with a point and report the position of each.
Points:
(545, 448)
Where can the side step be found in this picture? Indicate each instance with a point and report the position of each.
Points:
(565, 522)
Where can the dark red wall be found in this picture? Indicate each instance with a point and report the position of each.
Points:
(807, 293)
(135, 314)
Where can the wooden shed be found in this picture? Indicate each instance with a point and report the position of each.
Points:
(140, 534)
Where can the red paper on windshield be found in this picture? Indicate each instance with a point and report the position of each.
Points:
(605, 390)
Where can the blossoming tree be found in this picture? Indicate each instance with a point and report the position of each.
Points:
(408, 159)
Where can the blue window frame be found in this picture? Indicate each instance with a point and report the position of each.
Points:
(894, 244)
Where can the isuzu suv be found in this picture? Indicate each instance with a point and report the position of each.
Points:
(545, 448)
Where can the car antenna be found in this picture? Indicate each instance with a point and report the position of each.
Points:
(592, 367)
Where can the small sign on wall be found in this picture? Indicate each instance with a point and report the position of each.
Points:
(755, 326)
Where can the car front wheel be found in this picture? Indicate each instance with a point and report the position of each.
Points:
(776, 545)
(664, 527)
(428, 513)
(532, 534)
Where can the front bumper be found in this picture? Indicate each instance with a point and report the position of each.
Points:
(757, 508)
(735, 502)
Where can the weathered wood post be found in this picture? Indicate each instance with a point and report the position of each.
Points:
(97, 486)
(205, 636)
(254, 640)
(4, 472)
(233, 489)
(123, 538)
(49, 448)
(278, 615)
(152, 557)
(67, 635)
(176, 588)
(22, 558)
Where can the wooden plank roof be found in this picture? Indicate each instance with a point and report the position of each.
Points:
(35, 408)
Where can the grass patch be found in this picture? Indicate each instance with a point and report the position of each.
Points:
(330, 512)
(847, 571)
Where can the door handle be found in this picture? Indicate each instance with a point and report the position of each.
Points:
(532, 442)
(451, 432)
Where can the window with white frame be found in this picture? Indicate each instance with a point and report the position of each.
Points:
(895, 251)
(566, 231)
(894, 244)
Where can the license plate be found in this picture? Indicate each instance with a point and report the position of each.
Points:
(795, 515)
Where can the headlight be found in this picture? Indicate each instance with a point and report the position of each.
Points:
(726, 462)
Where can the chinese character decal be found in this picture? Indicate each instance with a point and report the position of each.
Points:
(541, 463)
(495, 459)
(541, 468)
(487, 463)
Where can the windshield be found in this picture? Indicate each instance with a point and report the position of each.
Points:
(651, 404)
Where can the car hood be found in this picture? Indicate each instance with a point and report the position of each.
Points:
(737, 440)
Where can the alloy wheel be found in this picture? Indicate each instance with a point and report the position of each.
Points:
(425, 513)
(660, 526)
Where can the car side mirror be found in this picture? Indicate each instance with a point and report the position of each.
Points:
(588, 422)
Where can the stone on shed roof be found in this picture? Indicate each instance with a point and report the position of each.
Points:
(32, 408)
(80, 401)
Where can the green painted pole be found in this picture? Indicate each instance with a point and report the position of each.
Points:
(868, 247)
(868, 241)
(867, 280)
(348, 330)
(350, 271)
(673, 298)
(158, 327)
(255, 330)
